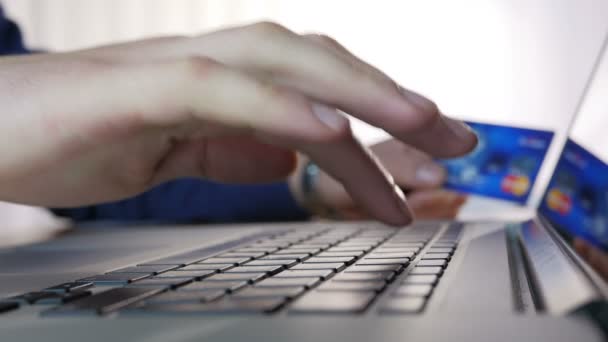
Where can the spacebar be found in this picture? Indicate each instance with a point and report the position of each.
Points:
(105, 302)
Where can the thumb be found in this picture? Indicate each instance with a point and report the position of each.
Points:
(226, 159)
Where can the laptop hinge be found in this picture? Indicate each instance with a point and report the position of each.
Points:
(558, 283)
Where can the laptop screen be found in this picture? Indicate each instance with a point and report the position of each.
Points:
(576, 200)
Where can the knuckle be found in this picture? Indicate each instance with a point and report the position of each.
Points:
(265, 29)
(417, 121)
(325, 39)
(196, 67)
(136, 175)
(338, 134)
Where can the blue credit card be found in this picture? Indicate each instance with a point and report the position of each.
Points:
(577, 196)
(504, 165)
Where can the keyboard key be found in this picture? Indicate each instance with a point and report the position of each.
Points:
(385, 250)
(365, 276)
(339, 254)
(445, 244)
(187, 296)
(299, 257)
(400, 241)
(436, 256)
(8, 306)
(440, 250)
(150, 269)
(403, 305)
(222, 307)
(374, 268)
(250, 255)
(401, 255)
(107, 301)
(363, 244)
(69, 287)
(262, 292)
(293, 250)
(251, 277)
(348, 249)
(234, 261)
(401, 247)
(333, 302)
(337, 267)
(247, 305)
(270, 270)
(35, 297)
(289, 282)
(62, 298)
(284, 263)
(163, 283)
(206, 267)
(114, 278)
(366, 261)
(420, 290)
(162, 263)
(377, 286)
(402, 244)
(437, 263)
(347, 260)
(305, 274)
(421, 279)
(196, 275)
(321, 246)
(427, 270)
(228, 285)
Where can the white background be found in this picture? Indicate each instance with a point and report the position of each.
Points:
(590, 129)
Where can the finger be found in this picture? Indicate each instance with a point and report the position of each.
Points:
(436, 204)
(598, 260)
(363, 177)
(412, 169)
(226, 159)
(320, 73)
(582, 247)
(436, 125)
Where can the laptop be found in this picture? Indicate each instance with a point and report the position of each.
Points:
(342, 281)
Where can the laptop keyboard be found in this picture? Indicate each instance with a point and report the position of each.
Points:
(327, 271)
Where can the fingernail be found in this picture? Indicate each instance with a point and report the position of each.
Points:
(418, 100)
(329, 116)
(460, 128)
(430, 173)
(407, 213)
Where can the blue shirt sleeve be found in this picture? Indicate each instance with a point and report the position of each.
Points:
(11, 42)
(186, 200)
(195, 200)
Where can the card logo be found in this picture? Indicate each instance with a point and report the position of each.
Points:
(559, 202)
(516, 185)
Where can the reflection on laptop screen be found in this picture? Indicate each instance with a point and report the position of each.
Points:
(576, 200)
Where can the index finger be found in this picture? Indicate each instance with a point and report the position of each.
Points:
(325, 75)
(338, 78)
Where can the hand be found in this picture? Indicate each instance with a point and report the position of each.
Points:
(597, 259)
(411, 169)
(231, 106)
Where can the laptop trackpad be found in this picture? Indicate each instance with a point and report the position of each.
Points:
(481, 282)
